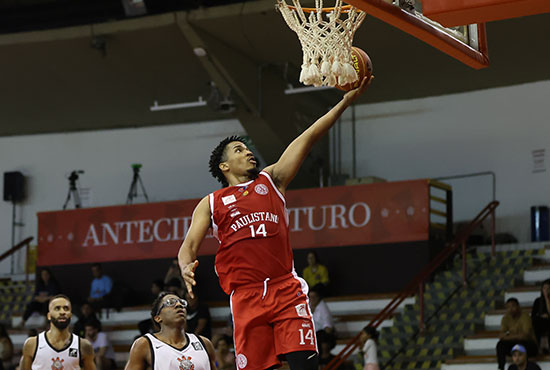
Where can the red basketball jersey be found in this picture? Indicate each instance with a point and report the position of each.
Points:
(250, 221)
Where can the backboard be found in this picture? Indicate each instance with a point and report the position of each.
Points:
(467, 43)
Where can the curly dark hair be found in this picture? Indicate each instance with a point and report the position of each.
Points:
(158, 301)
(218, 156)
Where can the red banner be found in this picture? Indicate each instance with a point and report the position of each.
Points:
(337, 216)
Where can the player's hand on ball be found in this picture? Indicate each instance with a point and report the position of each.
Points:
(355, 93)
(188, 273)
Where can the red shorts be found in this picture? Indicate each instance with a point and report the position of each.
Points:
(271, 319)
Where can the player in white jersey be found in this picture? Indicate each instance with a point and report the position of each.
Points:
(171, 347)
(58, 348)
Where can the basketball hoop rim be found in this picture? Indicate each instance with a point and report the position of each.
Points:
(344, 9)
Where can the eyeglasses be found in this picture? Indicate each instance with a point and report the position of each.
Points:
(172, 302)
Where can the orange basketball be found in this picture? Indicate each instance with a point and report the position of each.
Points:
(363, 66)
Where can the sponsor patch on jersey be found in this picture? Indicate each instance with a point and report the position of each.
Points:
(197, 346)
(261, 189)
(73, 352)
(306, 324)
(236, 213)
(229, 199)
(301, 310)
(242, 361)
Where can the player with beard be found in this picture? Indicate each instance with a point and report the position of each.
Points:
(58, 348)
(171, 347)
(254, 262)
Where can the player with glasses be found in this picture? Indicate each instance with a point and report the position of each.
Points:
(171, 347)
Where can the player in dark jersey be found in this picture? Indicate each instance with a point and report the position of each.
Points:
(271, 314)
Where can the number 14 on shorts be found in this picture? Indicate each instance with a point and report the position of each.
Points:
(307, 335)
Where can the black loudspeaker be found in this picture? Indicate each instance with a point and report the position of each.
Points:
(14, 186)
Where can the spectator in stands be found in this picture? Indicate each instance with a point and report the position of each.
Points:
(519, 359)
(199, 321)
(324, 325)
(369, 338)
(87, 314)
(315, 273)
(6, 349)
(225, 354)
(515, 328)
(540, 315)
(148, 325)
(103, 349)
(173, 272)
(174, 286)
(100, 288)
(157, 286)
(46, 287)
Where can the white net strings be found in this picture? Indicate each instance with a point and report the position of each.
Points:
(326, 40)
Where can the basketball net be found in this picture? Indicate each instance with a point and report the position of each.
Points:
(326, 36)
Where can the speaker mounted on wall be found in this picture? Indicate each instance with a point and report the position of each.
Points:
(14, 186)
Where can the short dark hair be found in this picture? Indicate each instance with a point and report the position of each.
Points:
(98, 265)
(58, 296)
(158, 301)
(94, 323)
(218, 156)
(513, 299)
(371, 330)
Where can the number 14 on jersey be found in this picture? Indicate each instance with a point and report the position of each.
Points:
(259, 231)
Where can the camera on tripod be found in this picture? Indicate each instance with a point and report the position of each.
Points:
(74, 175)
(73, 189)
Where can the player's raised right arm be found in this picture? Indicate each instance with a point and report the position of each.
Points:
(187, 256)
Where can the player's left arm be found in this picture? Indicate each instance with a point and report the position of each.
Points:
(285, 169)
(211, 352)
(87, 352)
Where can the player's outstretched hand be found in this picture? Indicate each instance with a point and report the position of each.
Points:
(188, 274)
(355, 93)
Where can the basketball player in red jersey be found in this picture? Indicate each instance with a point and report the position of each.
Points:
(271, 314)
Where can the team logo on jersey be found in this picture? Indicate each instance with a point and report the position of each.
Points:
(229, 199)
(186, 363)
(261, 189)
(197, 346)
(301, 310)
(57, 364)
(236, 213)
(73, 352)
(241, 361)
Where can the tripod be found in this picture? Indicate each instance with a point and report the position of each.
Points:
(133, 192)
(73, 190)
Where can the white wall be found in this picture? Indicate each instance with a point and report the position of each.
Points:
(174, 158)
(489, 130)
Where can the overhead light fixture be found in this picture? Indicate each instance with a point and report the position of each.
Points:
(298, 90)
(199, 51)
(199, 103)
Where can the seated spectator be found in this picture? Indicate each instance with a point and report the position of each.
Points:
(315, 273)
(101, 286)
(46, 287)
(199, 321)
(369, 338)
(519, 359)
(103, 349)
(87, 314)
(324, 325)
(157, 286)
(6, 349)
(540, 315)
(147, 325)
(515, 328)
(225, 354)
(173, 272)
(174, 286)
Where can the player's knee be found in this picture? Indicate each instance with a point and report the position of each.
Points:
(303, 360)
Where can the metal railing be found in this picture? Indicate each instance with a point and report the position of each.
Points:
(419, 281)
(25, 243)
